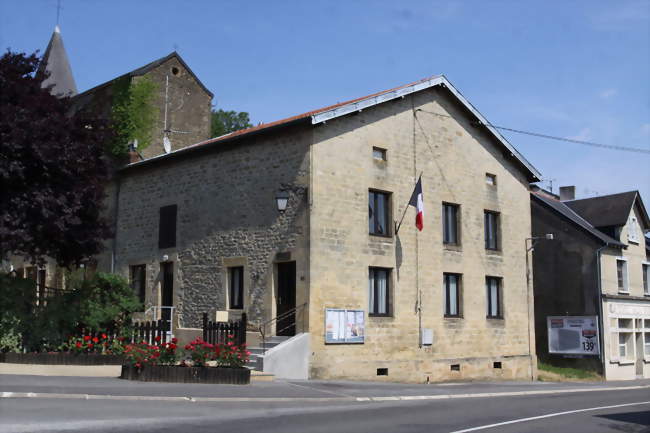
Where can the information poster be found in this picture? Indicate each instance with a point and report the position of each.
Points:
(344, 326)
(573, 335)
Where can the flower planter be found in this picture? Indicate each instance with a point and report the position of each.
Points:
(176, 373)
(62, 358)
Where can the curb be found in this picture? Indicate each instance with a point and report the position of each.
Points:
(316, 399)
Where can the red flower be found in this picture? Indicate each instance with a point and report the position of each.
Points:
(95, 340)
(157, 338)
(78, 345)
(90, 345)
(86, 337)
(104, 336)
(172, 346)
(174, 340)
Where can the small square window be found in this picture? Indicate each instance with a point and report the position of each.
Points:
(379, 153)
(491, 179)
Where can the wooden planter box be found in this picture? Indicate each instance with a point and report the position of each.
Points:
(176, 373)
(62, 358)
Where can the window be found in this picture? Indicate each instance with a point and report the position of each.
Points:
(632, 233)
(491, 179)
(452, 294)
(450, 233)
(491, 230)
(493, 285)
(624, 339)
(645, 269)
(167, 227)
(236, 287)
(138, 277)
(647, 343)
(378, 213)
(379, 288)
(379, 153)
(621, 274)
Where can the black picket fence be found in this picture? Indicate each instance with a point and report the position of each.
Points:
(217, 332)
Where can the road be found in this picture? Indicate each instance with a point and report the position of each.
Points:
(68, 405)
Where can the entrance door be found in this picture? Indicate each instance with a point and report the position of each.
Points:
(167, 293)
(286, 299)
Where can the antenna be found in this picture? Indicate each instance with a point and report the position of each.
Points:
(550, 184)
(167, 144)
(58, 11)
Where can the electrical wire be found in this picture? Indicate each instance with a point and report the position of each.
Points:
(550, 137)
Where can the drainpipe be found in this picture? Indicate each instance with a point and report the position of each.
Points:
(601, 324)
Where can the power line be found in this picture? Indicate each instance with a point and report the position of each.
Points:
(551, 137)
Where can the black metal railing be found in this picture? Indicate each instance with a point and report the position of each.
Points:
(285, 321)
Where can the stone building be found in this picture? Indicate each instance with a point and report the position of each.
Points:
(596, 266)
(300, 218)
(181, 101)
(182, 105)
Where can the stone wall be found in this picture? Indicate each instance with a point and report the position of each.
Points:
(227, 215)
(188, 108)
(454, 157)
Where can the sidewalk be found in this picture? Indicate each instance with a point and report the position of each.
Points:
(17, 386)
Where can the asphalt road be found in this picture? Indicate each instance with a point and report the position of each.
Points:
(309, 411)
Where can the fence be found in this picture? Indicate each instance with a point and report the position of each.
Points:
(217, 332)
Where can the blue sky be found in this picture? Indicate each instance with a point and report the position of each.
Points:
(576, 69)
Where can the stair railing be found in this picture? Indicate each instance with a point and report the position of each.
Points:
(265, 326)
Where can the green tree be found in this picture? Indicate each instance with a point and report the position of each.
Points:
(225, 122)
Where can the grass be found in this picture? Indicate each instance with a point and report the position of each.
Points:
(568, 372)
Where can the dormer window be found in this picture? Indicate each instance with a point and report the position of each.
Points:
(632, 232)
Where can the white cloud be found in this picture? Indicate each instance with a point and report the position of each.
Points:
(608, 93)
(583, 135)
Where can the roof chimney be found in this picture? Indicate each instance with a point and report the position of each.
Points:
(567, 193)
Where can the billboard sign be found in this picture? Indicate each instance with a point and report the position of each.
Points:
(573, 335)
(344, 326)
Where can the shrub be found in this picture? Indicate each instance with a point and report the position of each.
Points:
(226, 355)
(141, 354)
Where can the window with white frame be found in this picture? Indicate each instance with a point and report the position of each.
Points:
(632, 231)
(646, 277)
(621, 275)
(647, 343)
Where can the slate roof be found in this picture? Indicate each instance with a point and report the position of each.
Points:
(609, 210)
(332, 111)
(568, 213)
(55, 61)
(148, 67)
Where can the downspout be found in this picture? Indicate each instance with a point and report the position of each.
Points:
(601, 319)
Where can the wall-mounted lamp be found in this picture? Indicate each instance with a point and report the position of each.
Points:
(282, 199)
(165, 258)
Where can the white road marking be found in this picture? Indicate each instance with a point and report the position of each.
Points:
(550, 415)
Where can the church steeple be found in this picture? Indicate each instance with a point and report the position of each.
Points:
(55, 61)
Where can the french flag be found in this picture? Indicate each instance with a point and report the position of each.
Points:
(417, 201)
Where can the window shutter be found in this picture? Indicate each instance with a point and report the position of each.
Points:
(167, 227)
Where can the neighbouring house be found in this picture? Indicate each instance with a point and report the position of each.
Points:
(181, 104)
(598, 266)
(295, 222)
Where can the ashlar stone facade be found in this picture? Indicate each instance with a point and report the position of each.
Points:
(226, 189)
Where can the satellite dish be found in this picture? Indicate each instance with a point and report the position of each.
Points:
(167, 144)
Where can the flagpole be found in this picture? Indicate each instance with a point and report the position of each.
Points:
(417, 249)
